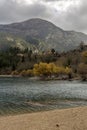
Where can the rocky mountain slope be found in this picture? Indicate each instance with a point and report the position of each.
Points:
(39, 34)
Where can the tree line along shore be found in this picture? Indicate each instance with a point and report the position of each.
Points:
(46, 65)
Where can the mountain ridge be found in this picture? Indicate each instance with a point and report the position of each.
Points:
(40, 34)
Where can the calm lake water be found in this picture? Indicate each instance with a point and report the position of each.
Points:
(21, 95)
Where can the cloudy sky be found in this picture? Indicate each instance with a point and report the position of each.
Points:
(67, 14)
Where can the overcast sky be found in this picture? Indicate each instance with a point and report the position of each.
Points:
(67, 14)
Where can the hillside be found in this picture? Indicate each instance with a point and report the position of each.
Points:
(39, 34)
(48, 64)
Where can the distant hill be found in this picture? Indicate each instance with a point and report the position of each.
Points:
(39, 34)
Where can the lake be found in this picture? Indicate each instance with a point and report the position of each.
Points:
(23, 95)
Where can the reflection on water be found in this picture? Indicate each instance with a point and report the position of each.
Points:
(20, 95)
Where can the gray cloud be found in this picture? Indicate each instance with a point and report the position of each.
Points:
(57, 0)
(77, 16)
(11, 11)
(66, 14)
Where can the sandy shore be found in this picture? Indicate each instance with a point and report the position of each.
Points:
(67, 119)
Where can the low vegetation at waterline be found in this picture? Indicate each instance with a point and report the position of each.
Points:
(48, 64)
(50, 69)
(46, 70)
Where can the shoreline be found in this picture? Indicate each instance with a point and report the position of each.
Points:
(63, 119)
(9, 76)
(43, 79)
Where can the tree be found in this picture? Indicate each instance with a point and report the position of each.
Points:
(69, 61)
(82, 70)
(81, 45)
(52, 50)
(44, 69)
(68, 71)
(49, 69)
(23, 59)
(84, 57)
(29, 54)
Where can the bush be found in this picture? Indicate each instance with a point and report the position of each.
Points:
(45, 69)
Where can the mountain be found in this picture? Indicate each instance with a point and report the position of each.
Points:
(39, 34)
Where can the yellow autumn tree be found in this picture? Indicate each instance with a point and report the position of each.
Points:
(68, 71)
(45, 69)
(84, 57)
(82, 70)
(84, 54)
